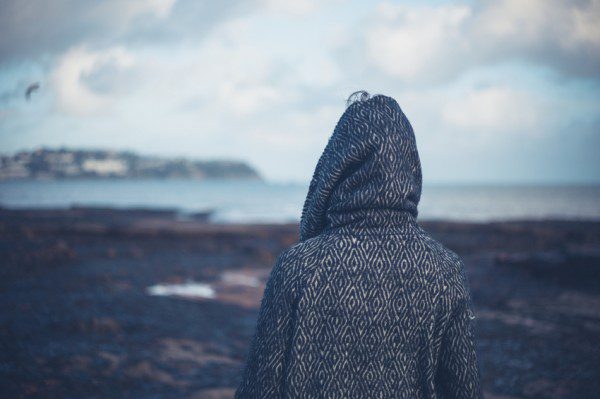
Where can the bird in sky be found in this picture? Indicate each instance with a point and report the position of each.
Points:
(30, 89)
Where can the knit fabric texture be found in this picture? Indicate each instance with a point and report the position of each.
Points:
(367, 304)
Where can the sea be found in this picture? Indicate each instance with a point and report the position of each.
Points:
(239, 201)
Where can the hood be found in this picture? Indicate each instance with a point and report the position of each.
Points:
(369, 173)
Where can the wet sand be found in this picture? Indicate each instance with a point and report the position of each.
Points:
(79, 316)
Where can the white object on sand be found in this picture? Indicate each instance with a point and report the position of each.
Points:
(188, 289)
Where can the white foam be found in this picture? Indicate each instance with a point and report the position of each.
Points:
(189, 289)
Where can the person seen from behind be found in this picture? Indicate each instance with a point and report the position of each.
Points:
(367, 304)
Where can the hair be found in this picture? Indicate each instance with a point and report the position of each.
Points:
(357, 96)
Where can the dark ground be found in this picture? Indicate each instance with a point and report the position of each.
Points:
(76, 321)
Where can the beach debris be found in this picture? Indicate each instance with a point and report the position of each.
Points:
(244, 279)
(189, 289)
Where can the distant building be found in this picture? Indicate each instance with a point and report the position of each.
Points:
(105, 167)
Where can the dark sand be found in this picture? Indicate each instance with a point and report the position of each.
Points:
(76, 320)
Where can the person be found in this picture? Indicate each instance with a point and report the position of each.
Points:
(367, 304)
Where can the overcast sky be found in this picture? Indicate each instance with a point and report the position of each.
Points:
(497, 91)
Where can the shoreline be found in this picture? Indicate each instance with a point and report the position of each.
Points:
(181, 215)
(249, 202)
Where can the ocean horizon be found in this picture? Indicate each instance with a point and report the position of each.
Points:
(241, 201)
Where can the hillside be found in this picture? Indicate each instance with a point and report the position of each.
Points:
(68, 163)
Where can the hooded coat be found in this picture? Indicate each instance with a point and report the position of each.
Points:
(367, 304)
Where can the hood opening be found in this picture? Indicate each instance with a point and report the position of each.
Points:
(369, 173)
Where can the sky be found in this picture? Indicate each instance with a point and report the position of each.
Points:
(502, 91)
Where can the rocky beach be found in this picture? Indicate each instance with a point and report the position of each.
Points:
(143, 303)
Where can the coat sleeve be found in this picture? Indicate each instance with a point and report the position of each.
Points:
(458, 373)
(264, 374)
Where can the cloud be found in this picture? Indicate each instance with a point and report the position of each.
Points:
(297, 8)
(233, 74)
(161, 8)
(563, 34)
(247, 100)
(410, 43)
(34, 29)
(8, 95)
(74, 96)
(435, 44)
(494, 109)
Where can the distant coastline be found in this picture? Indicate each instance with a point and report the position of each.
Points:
(64, 163)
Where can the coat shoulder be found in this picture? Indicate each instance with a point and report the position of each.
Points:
(450, 267)
(295, 263)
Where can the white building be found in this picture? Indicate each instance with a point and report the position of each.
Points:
(105, 167)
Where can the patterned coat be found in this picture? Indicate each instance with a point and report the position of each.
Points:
(366, 305)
